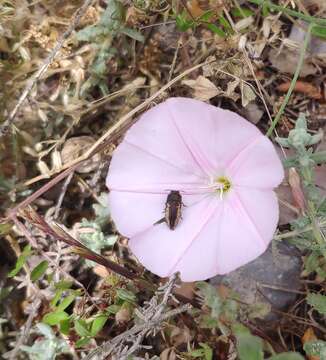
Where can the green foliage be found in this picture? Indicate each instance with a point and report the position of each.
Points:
(94, 237)
(249, 347)
(318, 302)
(39, 270)
(316, 348)
(21, 261)
(47, 348)
(217, 307)
(101, 36)
(287, 356)
(204, 352)
(222, 27)
(302, 141)
(252, 348)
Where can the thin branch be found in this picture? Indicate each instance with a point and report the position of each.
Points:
(4, 128)
(152, 316)
(57, 232)
(12, 355)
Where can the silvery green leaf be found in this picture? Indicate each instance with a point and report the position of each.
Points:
(316, 348)
(301, 122)
(283, 142)
(316, 138)
(45, 330)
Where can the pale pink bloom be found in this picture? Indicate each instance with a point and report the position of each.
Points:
(200, 150)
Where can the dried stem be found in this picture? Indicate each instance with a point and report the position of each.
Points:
(57, 232)
(152, 316)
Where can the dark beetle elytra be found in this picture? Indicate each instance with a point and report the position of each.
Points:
(172, 211)
(173, 207)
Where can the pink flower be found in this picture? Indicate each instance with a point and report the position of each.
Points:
(225, 170)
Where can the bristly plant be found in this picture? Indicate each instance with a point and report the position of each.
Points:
(47, 348)
(91, 231)
(314, 215)
(101, 36)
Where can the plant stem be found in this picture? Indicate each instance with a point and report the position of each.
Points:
(285, 10)
(294, 80)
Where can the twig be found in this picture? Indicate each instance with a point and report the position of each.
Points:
(123, 123)
(34, 244)
(152, 316)
(293, 82)
(4, 128)
(12, 355)
(57, 232)
(283, 9)
(62, 195)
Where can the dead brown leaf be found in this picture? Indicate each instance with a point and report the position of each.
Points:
(180, 336)
(203, 88)
(303, 87)
(309, 335)
(168, 354)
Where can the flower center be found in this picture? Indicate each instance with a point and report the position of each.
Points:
(223, 185)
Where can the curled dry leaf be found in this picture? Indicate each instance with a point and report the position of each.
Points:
(168, 354)
(180, 336)
(123, 315)
(203, 88)
(286, 62)
(75, 147)
(296, 188)
(303, 87)
(308, 336)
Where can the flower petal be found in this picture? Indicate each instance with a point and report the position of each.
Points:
(247, 226)
(137, 170)
(162, 250)
(257, 166)
(135, 212)
(214, 237)
(214, 136)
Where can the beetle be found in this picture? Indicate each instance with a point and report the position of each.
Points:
(173, 210)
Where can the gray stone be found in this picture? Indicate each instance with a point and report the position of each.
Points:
(273, 279)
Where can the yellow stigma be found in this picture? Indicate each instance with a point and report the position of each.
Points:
(224, 185)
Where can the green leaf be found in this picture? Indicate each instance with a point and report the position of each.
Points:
(287, 356)
(98, 323)
(4, 292)
(197, 353)
(126, 295)
(21, 261)
(66, 302)
(249, 347)
(56, 298)
(183, 24)
(216, 30)
(211, 297)
(5, 228)
(65, 326)
(208, 352)
(134, 34)
(39, 270)
(63, 285)
(319, 31)
(113, 309)
(241, 12)
(225, 24)
(81, 328)
(82, 342)
(54, 318)
(316, 348)
(318, 302)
